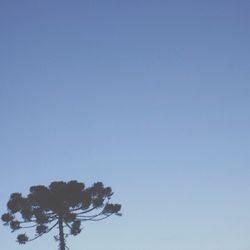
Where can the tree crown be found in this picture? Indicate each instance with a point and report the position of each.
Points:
(69, 203)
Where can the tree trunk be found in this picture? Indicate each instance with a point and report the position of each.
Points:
(61, 233)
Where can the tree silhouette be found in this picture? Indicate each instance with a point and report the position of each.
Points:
(61, 205)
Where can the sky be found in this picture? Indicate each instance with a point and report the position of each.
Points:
(151, 97)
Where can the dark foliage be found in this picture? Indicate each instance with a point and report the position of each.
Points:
(61, 204)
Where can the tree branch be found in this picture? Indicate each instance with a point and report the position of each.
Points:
(93, 219)
(87, 211)
(39, 235)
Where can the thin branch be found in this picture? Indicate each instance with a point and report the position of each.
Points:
(51, 218)
(68, 225)
(86, 211)
(27, 221)
(29, 226)
(96, 219)
(39, 235)
(76, 209)
(91, 216)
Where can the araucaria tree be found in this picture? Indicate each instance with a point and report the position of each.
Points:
(61, 205)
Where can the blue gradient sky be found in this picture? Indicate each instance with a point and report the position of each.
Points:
(150, 97)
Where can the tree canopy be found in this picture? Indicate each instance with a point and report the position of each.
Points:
(62, 205)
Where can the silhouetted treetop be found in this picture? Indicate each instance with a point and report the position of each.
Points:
(62, 204)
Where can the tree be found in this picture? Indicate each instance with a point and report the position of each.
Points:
(61, 205)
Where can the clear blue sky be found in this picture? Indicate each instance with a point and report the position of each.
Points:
(151, 97)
